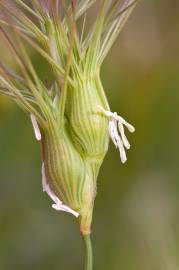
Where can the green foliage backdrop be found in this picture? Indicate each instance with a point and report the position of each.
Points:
(136, 220)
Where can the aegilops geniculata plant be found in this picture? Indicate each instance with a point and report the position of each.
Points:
(71, 118)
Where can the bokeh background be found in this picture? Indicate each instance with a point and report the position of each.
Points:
(136, 217)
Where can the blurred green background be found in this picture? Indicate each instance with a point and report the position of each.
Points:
(136, 217)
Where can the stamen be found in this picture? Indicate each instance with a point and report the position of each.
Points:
(58, 205)
(124, 138)
(116, 132)
(35, 125)
(113, 132)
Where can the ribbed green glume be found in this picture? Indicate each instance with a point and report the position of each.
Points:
(88, 125)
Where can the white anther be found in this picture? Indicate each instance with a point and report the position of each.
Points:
(58, 205)
(116, 131)
(36, 128)
(123, 136)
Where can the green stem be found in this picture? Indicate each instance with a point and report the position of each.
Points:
(88, 252)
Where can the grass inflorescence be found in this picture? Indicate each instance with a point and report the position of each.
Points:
(71, 116)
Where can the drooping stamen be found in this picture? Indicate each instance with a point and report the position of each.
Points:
(36, 128)
(58, 205)
(116, 132)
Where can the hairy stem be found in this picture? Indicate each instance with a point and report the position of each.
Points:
(88, 264)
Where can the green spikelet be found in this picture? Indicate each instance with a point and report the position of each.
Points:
(88, 125)
(68, 173)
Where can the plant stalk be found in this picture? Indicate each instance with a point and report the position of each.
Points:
(88, 264)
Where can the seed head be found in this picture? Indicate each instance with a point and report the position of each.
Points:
(71, 118)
